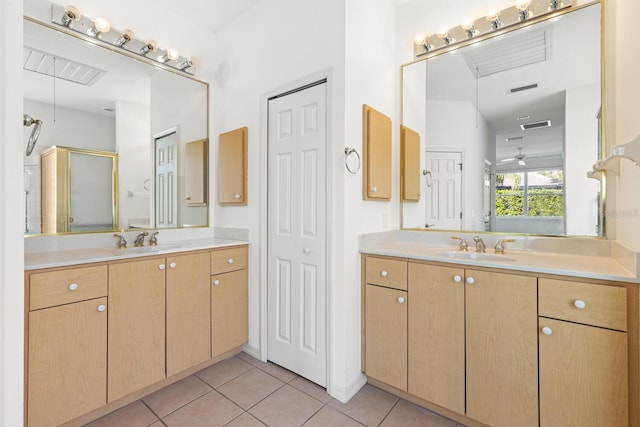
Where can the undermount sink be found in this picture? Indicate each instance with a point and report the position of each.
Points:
(475, 256)
(146, 249)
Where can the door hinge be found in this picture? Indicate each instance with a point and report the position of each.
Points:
(460, 164)
(460, 215)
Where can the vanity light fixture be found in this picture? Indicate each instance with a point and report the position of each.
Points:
(71, 13)
(523, 8)
(100, 25)
(494, 17)
(443, 34)
(171, 55)
(468, 26)
(125, 37)
(495, 23)
(99, 28)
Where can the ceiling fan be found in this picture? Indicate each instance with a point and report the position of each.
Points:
(519, 157)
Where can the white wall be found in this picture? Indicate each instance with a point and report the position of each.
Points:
(580, 148)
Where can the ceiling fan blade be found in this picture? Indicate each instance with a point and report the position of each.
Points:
(507, 160)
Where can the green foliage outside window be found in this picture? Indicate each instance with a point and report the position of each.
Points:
(542, 202)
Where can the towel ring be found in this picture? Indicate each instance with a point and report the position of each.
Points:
(348, 151)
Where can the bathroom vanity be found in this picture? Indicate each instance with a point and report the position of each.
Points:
(104, 327)
(532, 338)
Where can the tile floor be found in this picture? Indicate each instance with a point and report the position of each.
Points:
(243, 392)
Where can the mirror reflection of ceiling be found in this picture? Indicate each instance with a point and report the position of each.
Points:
(552, 49)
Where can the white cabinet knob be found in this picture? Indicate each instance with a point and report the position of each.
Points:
(102, 308)
(306, 250)
(216, 282)
(161, 267)
(384, 273)
(73, 286)
(230, 260)
(579, 304)
(471, 280)
(401, 300)
(172, 265)
(237, 196)
(457, 278)
(374, 189)
(547, 330)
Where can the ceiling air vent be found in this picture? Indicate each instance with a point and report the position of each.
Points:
(514, 138)
(66, 69)
(536, 125)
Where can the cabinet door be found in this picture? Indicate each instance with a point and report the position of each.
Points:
(229, 311)
(386, 335)
(376, 150)
(409, 164)
(502, 342)
(136, 326)
(583, 375)
(188, 311)
(195, 176)
(232, 167)
(436, 335)
(67, 370)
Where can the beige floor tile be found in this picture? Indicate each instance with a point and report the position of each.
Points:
(212, 409)
(165, 401)
(157, 424)
(223, 371)
(135, 414)
(245, 420)
(312, 389)
(330, 417)
(369, 406)
(277, 371)
(287, 407)
(249, 359)
(406, 414)
(250, 388)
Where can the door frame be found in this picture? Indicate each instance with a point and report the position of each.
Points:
(330, 171)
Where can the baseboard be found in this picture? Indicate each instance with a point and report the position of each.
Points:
(251, 350)
(346, 392)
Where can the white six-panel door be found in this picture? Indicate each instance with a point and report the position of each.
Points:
(296, 271)
(444, 190)
(166, 171)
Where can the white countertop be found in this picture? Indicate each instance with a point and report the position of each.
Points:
(61, 258)
(570, 264)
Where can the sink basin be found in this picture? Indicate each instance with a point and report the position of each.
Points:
(475, 256)
(145, 249)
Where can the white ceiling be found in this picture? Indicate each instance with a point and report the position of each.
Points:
(211, 14)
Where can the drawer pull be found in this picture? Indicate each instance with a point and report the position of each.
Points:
(161, 267)
(401, 300)
(102, 308)
(230, 260)
(374, 189)
(73, 286)
(237, 196)
(471, 280)
(547, 330)
(216, 282)
(172, 265)
(384, 273)
(457, 278)
(579, 304)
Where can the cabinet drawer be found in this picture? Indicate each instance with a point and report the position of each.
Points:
(65, 286)
(391, 273)
(226, 260)
(597, 305)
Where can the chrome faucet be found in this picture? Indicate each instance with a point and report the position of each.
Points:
(480, 246)
(122, 243)
(153, 240)
(140, 239)
(500, 245)
(463, 243)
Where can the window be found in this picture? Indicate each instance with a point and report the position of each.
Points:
(530, 193)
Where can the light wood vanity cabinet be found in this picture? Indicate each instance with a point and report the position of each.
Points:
(376, 153)
(583, 354)
(232, 167)
(229, 299)
(500, 349)
(99, 336)
(66, 373)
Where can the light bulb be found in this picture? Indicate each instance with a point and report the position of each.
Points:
(467, 24)
(444, 35)
(151, 46)
(419, 39)
(493, 16)
(125, 37)
(173, 54)
(71, 13)
(102, 25)
(522, 5)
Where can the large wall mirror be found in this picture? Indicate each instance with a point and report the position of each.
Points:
(508, 129)
(95, 100)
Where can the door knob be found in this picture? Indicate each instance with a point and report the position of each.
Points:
(471, 280)
(172, 265)
(306, 250)
(73, 286)
(237, 196)
(161, 267)
(374, 189)
(102, 308)
(580, 304)
(384, 273)
(216, 282)
(547, 330)
(230, 260)
(401, 300)
(457, 278)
